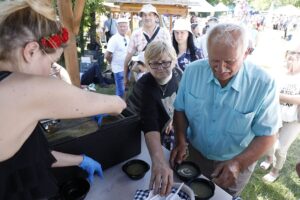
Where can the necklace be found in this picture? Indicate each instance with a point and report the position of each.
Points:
(163, 89)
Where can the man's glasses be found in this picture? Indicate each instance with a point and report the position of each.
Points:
(125, 42)
(157, 65)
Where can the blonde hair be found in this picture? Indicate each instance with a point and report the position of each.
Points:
(157, 48)
(23, 21)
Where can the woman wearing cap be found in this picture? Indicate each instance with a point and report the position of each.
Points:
(290, 114)
(152, 98)
(183, 42)
(31, 40)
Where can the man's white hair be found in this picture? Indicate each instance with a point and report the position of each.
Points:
(230, 34)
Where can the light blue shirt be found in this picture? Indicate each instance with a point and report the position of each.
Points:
(223, 121)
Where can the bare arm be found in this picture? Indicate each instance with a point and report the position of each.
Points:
(291, 99)
(108, 56)
(227, 172)
(255, 150)
(65, 160)
(126, 70)
(178, 154)
(161, 175)
(52, 98)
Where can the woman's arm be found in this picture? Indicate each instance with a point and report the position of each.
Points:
(51, 98)
(84, 162)
(291, 99)
(65, 160)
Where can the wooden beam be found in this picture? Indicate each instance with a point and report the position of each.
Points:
(161, 9)
(78, 11)
(71, 21)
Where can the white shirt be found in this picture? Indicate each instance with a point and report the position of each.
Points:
(289, 84)
(117, 45)
(203, 45)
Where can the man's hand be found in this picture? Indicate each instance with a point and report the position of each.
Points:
(178, 154)
(226, 173)
(161, 178)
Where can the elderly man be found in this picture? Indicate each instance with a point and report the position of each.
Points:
(149, 32)
(228, 109)
(116, 53)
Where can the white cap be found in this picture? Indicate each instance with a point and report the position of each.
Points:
(148, 8)
(140, 57)
(122, 20)
(182, 25)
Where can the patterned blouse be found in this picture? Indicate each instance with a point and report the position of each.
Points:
(185, 58)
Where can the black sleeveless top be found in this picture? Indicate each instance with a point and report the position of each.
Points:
(27, 174)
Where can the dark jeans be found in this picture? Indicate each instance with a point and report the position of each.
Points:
(94, 75)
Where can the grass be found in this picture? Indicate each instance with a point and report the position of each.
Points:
(109, 90)
(286, 187)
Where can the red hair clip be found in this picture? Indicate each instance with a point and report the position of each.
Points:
(55, 40)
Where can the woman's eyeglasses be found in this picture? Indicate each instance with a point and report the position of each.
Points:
(55, 68)
(162, 64)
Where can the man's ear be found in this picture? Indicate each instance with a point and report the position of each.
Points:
(246, 54)
(30, 50)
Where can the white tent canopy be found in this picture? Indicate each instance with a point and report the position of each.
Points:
(200, 6)
(287, 10)
(220, 7)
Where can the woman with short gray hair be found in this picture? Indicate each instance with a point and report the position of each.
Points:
(152, 98)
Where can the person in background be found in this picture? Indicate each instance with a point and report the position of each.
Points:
(138, 67)
(31, 40)
(211, 22)
(152, 99)
(60, 72)
(94, 76)
(183, 43)
(194, 19)
(116, 53)
(141, 37)
(228, 110)
(197, 34)
(110, 27)
(290, 113)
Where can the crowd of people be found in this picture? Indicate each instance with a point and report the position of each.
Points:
(195, 91)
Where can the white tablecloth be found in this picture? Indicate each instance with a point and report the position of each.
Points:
(117, 186)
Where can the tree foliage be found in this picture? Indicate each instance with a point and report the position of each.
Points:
(88, 22)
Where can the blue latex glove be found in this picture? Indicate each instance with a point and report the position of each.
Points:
(91, 166)
(99, 118)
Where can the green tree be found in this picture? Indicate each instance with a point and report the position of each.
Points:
(226, 2)
(88, 23)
